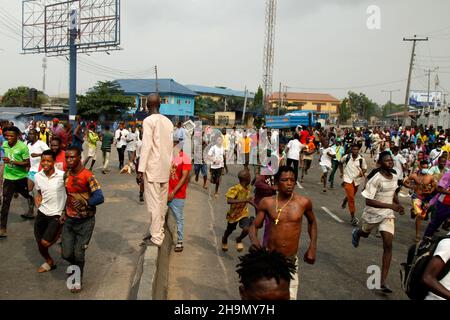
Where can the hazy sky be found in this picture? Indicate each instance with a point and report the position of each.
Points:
(321, 46)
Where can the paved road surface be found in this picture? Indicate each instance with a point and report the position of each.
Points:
(110, 260)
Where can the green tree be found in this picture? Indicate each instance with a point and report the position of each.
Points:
(259, 97)
(345, 111)
(22, 97)
(363, 106)
(390, 108)
(105, 98)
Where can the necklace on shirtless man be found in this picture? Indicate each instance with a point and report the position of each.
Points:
(279, 211)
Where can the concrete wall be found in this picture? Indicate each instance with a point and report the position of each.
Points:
(152, 272)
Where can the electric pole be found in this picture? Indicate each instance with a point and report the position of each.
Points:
(411, 64)
(156, 77)
(390, 93)
(245, 105)
(280, 100)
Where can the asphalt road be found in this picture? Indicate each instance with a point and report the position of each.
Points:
(203, 271)
(111, 258)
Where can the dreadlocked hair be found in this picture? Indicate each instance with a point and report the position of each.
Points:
(263, 263)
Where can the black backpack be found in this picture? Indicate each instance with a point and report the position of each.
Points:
(411, 272)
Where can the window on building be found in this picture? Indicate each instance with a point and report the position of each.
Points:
(319, 106)
(178, 101)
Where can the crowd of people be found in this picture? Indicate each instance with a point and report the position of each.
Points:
(47, 165)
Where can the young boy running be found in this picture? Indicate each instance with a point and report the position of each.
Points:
(216, 154)
(238, 197)
(50, 201)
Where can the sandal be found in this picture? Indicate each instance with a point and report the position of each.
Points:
(179, 247)
(239, 246)
(45, 267)
(224, 246)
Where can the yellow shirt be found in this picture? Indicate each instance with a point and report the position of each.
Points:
(226, 141)
(238, 211)
(246, 144)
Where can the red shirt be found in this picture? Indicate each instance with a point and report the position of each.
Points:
(303, 135)
(80, 187)
(179, 164)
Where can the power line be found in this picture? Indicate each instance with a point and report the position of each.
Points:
(355, 87)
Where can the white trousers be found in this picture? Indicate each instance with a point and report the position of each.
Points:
(156, 194)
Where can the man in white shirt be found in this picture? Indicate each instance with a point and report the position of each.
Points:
(436, 153)
(120, 140)
(50, 201)
(353, 169)
(132, 138)
(293, 150)
(438, 283)
(381, 203)
(400, 164)
(180, 133)
(328, 154)
(215, 156)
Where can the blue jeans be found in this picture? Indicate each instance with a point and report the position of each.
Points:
(177, 207)
(75, 238)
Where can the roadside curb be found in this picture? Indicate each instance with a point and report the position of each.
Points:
(152, 271)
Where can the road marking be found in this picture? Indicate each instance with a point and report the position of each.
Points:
(299, 185)
(335, 217)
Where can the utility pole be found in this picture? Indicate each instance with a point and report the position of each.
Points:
(280, 100)
(44, 69)
(245, 105)
(156, 77)
(390, 93)
(411, 64)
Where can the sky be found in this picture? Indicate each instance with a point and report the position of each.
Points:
(320, 46)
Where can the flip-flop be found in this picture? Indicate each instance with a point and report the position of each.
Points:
(45, 267)
(239, 246)
(355, 240)
(224, 247)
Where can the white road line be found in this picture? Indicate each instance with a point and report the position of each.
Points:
(299, 185)
(335, 217)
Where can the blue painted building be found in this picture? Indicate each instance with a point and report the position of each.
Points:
(176, 99)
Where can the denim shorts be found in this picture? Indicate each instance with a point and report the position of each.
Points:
(201, 168)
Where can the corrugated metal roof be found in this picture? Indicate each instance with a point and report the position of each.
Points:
(19, 110)
(315, 97)
(219, 91)
(147, 86)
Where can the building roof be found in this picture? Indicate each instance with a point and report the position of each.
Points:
(147, 86)
(219, 91)
(316, 97)
(18, 111)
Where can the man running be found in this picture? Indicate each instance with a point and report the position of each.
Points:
(327, 156)
(381, 203)
(285, 212)
(50, 201)
(353, 169)
(92, 138)
(216, 156)
(83, 196)
(15, 175)
(424, 187)
(35, 147)
(107, 140)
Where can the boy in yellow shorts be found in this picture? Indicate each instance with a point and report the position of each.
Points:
(238, 197)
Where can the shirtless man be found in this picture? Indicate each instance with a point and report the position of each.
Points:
(285, 212)
(424, 187)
